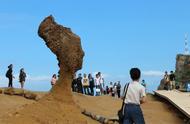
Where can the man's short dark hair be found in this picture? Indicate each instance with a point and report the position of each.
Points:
(135, 74)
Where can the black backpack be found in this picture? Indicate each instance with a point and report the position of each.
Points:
(8, 74)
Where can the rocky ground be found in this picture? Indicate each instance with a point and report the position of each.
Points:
(155, 110)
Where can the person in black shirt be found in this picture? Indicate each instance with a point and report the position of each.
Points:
(118, 89)
(79, 84)
(107, 90)
(9, 75)
(92, 85)
(172, 80)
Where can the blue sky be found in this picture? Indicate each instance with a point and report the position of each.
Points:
(115, 35)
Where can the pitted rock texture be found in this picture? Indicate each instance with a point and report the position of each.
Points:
(57, 107)
(67, 47)
(162, 85)
(63, 43)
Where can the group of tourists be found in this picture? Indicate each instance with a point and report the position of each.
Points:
(10, 76)
(169, 81)
(89, 85)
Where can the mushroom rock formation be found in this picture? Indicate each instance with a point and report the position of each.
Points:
(57, 107)
(67, 47)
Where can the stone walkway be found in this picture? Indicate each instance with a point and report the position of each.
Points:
(181, 100)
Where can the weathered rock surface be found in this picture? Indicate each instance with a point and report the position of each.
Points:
(57, 107)
(182, 69)
(20, 92)
(101, 119)
(162, 85)
(63, 43)
(67, 47)
(9, 91)
(30, 95)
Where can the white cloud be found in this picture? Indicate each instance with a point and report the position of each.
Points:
(152, 73)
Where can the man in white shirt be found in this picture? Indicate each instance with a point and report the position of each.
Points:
(134, 97)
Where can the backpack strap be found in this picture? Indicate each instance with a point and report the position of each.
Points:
(125, 93)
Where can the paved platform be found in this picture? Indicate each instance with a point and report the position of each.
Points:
(181, 100)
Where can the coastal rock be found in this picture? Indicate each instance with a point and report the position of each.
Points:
(30, 95)
(58, 105)
(101, 119)
(19, 92)
(9, 91)
(67, 47)
(162, 85)
(14, 91)
(63, 43)
(182, 69)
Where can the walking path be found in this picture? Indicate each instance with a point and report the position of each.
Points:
(181, 100)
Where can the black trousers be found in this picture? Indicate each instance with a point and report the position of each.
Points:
(118, 93)
(92, 91)
(10, 82)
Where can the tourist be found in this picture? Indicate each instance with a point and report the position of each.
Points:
(172, 80)
(118, 89)
(107, 90)
(111, 89)
(9, 75)
(143, 83)
(135, 95)
(22, 77)
(53, 80)
(74, 84)
(97, 84)
(85, 84)
(79, 83)
(115, 89)
(167, 81)
(101, 82)
(91, 82)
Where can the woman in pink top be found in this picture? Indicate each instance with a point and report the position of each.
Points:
(53, 80)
